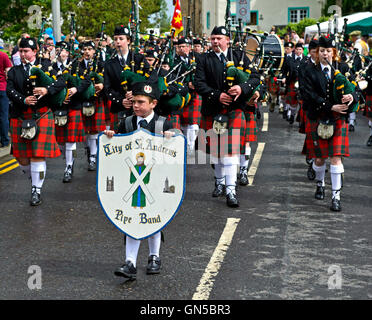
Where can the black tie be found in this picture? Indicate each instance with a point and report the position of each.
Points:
(27, 69)
(222, 58)
(325, 70)
(143, 123)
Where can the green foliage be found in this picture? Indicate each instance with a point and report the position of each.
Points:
(300, 27)
(349, 6)
(88, 15)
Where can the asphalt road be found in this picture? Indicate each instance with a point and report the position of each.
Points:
(284, 245)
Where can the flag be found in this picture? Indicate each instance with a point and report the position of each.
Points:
(177, 18)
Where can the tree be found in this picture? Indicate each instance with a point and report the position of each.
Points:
(349, 6)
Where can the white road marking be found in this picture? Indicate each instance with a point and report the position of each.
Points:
(256, 160)
(206, 283)
(265, 125)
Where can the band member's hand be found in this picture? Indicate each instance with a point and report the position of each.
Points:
(168, 134)
(191, 86)
(129, 95)
(31, 100)
(283, 81)
(40, 91)
(109, 133)
(347, 98)
(253, 100)
(127, 103)
(225, 99)
(98, 87)
(340, 108)
(72, 91)
(235, 91)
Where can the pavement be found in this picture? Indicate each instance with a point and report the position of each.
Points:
(282, 243)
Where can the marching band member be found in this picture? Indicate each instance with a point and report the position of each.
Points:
(145, 99)
(369, 103)
(322, 107)
(289, 54)
(224, 107)
(33, 147)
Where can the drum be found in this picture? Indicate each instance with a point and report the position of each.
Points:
(273, 48)
(252, 45)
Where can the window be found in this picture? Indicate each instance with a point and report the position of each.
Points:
(254, 19)
(208, 20)
(295, 15)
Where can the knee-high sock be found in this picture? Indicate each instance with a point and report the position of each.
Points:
(230, 176)
(336, 178)
(92, 144)
(319, 173)
(219, 173)
(154, 244)
(352, 118)
(131, 250)
(244, 158)
(38, 171)
(370, 127)
(70, 147)
(192, 134)
(293, 109)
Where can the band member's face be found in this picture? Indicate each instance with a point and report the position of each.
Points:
(197, 48)
(184, 49)
(313, 54)
(299, 51)
(103, 42)
(49, 45)
(88, 52)
(165, 67)
(27, 54)
(219, 41)
(121, 42)
(142, 106)
(151, 61)
(325, 54)
(288, 50)
(64, 55)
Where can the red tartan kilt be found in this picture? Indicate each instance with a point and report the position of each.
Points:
(232, 143)
(302, 115)
(273, 87)
(291, 96)
(73, 131)
(191, 113)
(369, 106)
(338, 145)
(114, 121)
(96, 123)
(107, 111)
(175, 120)
(44, 145)
(251, 127)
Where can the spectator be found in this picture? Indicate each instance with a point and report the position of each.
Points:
(5, 65)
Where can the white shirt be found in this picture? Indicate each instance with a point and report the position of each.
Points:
(31, 64)
(59, 64)
(148, 119)
(219, 54)
(125, 57)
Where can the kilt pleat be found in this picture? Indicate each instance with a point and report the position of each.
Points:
(95, 123)
(44, 145)
(369, 106)
(251, 127)
(338, 145)
(291, 96)
(73, 131)
(175, 120)
(230, 143)
(191, 114)
(272, 86)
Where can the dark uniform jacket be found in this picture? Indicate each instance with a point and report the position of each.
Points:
(318, 92)
(19, 86)
(112, 85)
(305, 63)
(76, 101)
(210, 82)
(369, 78)
(150, 126)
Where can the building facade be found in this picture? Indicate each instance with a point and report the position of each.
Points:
(264, 13)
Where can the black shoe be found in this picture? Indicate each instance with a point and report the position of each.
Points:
(35, 197)
(369, 142)
(336, 205)
(243, 177)
(319, 193)
(219, 190)
(127, 271)
(67, 177)
(92, 164)
(351, 128)
(291, 119)
(232, 201)
(154, 264)
(310, 173)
